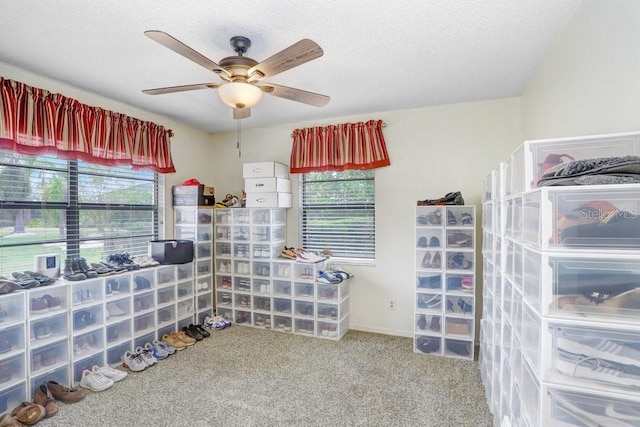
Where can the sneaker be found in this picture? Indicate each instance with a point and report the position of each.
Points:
(94, 380)
(594, 369)
(599, 348)
(156, 352)
(163, 345)
(147, 357)
(114, 310)
(133, 362)
(182, 336)
(114, 375)
(174, 341)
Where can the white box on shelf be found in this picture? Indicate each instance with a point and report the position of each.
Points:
(267, 185)
(265, 170)
(268, 200)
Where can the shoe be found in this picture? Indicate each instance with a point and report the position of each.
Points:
(174, 341)
(453, 198)
(133, 362)
(185, 338)
(466, 218)
(54, 303)
(94, 380)
(39, 305)
(328, 277)
(41, 278)
(435, 324)
(459, 348)
(203, 331)
(434, 242)
(192, 332)
(65, 394)
(164, 346)
(29, 413)
(451, 218)
(428, 345)
(432, 302)
(42, 331)
(422, 322)
(147, 357)
(43, 397)
(157, 352)
(595, 369)
(599, 348)
(114, 310)
(8, 420)
(114, 375)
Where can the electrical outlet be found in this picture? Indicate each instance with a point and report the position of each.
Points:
(392, 304)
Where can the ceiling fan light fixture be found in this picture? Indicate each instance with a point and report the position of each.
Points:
(240, 94)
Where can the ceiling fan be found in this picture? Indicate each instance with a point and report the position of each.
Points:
(242, 85)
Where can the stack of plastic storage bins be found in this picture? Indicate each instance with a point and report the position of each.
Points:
(560, 332)
(267, 185)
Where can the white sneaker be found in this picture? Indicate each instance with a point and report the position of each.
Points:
(94, 380)
(146, 356)
(114, 310)
(114, 375)
(600, 348)
(133, 362)
(155, 351)
(594, 369)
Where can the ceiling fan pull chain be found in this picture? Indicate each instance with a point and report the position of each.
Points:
(238, 136)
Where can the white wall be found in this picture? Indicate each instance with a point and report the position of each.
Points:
(433, 151)
(589, 82)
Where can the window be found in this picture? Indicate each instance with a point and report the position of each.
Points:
(338, 213)
(72, 208)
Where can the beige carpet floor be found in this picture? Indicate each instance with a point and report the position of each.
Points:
(243, 376)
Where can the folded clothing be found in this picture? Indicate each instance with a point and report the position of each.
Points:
(602, 170)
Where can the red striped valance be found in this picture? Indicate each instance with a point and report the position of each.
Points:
(339, 147)
(34, 121)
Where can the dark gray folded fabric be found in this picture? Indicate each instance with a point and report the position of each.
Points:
(624, 169)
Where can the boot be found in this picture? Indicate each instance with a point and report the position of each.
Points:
(71, 272)
(84, 267)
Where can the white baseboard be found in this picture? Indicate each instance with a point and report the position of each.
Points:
(383, 331)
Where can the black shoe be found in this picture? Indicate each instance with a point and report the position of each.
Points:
(203, 331)
(422, 322)
(193, 332)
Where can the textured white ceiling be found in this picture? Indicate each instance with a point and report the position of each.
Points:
(378, 55)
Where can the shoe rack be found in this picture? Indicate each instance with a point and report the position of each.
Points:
(445, 306)
(196, 224)
(56, 331)
(256, 287)
(559, 333)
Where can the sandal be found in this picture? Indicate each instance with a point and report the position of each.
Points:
(29, 413)
(289, 253)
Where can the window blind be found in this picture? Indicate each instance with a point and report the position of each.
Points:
(338, 213)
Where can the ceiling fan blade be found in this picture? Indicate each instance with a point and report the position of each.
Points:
(172, 89)
(297, 95)
(241, 113)
(296, 54)
(178, 47)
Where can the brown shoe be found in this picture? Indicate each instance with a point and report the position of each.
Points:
(64, 394)
(173, 340)
(185, 338)
(28, 413)
(7, 420)
(43, 397)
